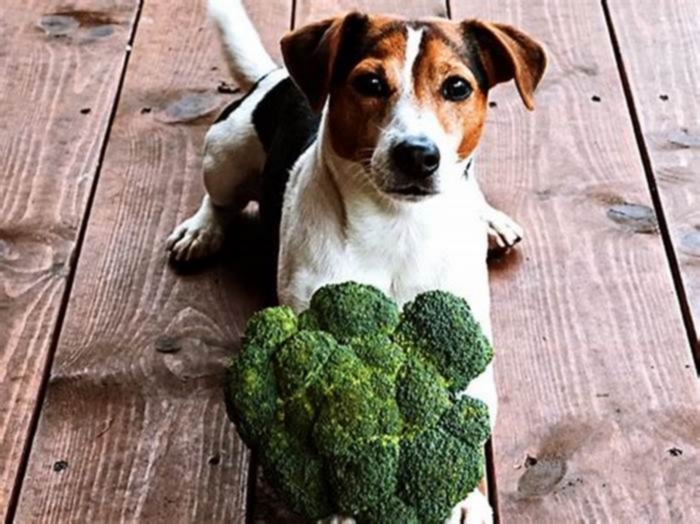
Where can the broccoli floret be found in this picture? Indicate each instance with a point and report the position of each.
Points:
(422, 395)
(251, 386)
(353, 408)
(251, 393)
(440, 327)
(366, 478)
(437, 470)
(468, 420)
(301, 359)
(353, 310)
(297, 472)
(307, 320)
(379, 352)
(270, 327)
(392, 510)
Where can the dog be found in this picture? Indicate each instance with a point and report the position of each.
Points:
(361, 155)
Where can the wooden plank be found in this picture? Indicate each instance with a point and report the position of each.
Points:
(60, 69)
(312, 10)
(661, 54)
(594, 370)
(133, 428)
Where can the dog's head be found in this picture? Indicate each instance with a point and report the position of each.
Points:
(407, 100)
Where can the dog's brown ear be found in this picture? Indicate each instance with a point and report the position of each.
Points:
(310, 55)
(507, 54)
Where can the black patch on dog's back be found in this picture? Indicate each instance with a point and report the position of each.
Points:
(286, 125)
(237, 103)
(285, 114)
(231, 108)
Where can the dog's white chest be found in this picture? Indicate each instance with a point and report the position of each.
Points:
(438, 245)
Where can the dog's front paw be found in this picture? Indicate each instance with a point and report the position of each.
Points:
(197, 237)
(475, 509)
(503, 231)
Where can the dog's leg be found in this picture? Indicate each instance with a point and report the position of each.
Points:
(233, 159)
(504, 232)
(475, 509)
(200, 235)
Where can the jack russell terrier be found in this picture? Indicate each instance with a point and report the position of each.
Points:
(360, 154)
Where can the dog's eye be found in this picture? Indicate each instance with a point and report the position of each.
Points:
(456, 89)
(371, 85)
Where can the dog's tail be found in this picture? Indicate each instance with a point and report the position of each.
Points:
(245, 54)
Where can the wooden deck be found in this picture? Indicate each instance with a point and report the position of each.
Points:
(110, 363)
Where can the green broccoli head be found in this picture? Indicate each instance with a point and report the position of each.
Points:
(392, 509)
(296, 471)
(352, 310)
(270, 327)
(440, 327)
(422, 395)
(467, 420)
(357, 487)
(353, 407)
(437, 470)
(251, 395)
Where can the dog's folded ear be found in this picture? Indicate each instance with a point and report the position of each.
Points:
(507, 54)
(310, 55)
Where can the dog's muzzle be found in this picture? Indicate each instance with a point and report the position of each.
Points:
(416, 160)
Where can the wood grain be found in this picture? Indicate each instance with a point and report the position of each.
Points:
(59, 75)
(312, 10)
(133, 427)
(661, 53)
(594, 370)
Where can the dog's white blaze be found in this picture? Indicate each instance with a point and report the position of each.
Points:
(409, 119)
(413, 41)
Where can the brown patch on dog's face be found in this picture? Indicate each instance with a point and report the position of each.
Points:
(355, 116)
(446, 83)
(416, 86)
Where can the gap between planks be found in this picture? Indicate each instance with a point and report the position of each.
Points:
(125, 299)
(75, 256)
(664, 229)
(70, 278)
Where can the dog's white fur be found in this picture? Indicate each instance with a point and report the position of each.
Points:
(336, 226)
(245, 54)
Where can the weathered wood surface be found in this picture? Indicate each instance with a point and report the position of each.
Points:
(599, 417)
(133, 427)
(59, 74)
(311, 10)
(595, 375)
(660, 49)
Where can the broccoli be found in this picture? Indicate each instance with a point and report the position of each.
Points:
(391, 510)
(436, 471)
(353, 310)
(353, 406)
(439, 326)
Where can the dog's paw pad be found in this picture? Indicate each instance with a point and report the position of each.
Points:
(504, 232)
(194, 239)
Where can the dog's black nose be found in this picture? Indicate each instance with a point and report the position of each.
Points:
(417, 157)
